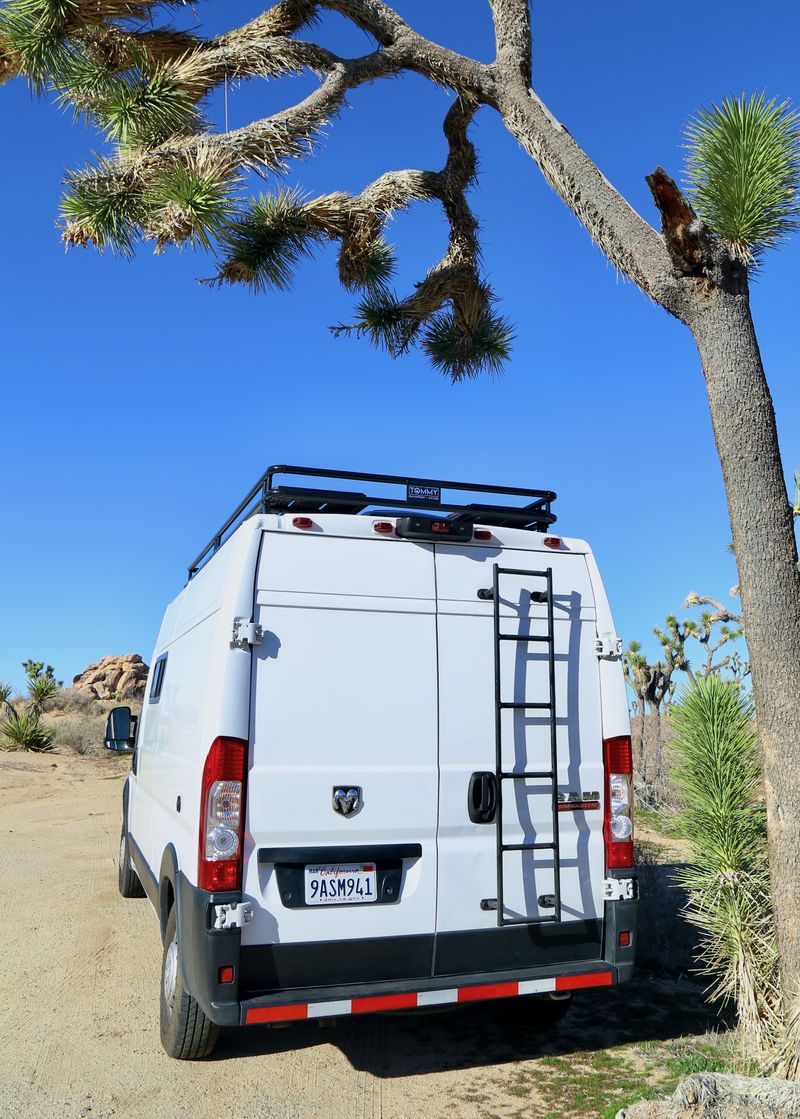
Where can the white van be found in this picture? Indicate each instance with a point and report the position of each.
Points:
(384, 761)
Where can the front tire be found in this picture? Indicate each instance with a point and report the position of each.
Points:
(129, 884)
(186, 1032)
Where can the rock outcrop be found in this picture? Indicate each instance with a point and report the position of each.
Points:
(113, 678)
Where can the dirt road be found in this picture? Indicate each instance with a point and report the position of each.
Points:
(79, 1005)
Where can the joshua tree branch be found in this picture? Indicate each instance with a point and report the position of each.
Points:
(512, 31)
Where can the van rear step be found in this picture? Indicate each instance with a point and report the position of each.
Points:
(255, 1012)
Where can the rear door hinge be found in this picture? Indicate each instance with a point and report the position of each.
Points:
(608, 647)
(233, 916)
(620, 889)
(246, 633)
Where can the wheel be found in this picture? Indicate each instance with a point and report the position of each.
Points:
(536, 1013)
(129, 884)
(186, 1033)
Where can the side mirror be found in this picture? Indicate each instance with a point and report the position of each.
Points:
(120, 729)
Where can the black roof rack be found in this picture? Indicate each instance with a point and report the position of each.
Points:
(420, 494)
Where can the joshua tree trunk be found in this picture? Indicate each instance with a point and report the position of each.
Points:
(695, 277)
(763, 537)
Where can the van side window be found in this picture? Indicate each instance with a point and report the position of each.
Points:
(158, 678)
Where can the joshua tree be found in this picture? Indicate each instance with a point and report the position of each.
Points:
(715, 629)
(653, 686)
(172, 179)
(24, 729)
(717, 770)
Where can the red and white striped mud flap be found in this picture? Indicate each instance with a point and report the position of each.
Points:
(300, 1010)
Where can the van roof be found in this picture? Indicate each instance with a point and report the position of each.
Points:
(420, 495)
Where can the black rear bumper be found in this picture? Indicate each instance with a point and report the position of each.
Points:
(285, 975)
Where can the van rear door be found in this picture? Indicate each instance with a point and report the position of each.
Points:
(468, 936)
(344, 699)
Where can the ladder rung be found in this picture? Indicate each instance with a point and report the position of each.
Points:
(554, 919)
(512, 775)
(519, 571)
(528, 706)
(523, 637)
(528, 847)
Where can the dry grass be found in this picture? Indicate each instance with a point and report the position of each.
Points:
(79, 722)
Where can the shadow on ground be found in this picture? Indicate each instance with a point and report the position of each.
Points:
(401, 1044)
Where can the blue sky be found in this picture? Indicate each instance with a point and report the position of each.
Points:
(138, 405)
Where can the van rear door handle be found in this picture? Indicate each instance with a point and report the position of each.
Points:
(482, 797)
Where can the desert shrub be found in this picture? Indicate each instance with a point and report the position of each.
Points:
(24, 730)
(717, 773)
(75, 700)
(79, 733)
(650, 737)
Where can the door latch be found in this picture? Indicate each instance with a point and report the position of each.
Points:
(482, 797)
(246, 633)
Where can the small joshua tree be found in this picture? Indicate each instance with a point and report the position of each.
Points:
(717, 771)
(654, 683)
(25, 730)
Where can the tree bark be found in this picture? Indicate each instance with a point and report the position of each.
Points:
(693, 278)
(746, 436)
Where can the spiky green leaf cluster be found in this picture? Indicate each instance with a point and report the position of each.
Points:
(374, 270)
(180, 203)
(102, 211)
(34, 34)
(718, 776)
(384, 322)
(189, 203)
(460, 351)
(137, 109)
(24, 730)
(263, 247)
(743, 171)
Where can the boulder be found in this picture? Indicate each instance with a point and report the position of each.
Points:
(113, 677)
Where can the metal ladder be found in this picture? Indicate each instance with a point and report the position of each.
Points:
(552, 900)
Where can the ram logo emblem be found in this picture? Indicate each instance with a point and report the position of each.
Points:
(346, 799)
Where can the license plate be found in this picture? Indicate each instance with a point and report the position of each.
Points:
(342, 884)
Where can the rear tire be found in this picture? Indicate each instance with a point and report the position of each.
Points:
(186, 1032)
(129, 884)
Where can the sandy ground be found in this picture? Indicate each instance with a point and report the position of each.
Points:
(79, 1000)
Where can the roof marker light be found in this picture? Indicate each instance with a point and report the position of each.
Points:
(302, 522)
(386, 528)
(482, 534)
(552, 541)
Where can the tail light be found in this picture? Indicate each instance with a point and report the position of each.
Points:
(618, 820)
(222, 803)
